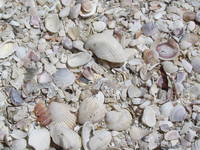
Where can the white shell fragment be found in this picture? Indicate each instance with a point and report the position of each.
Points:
(196, 145)
(18, 144)
(106, 47)
(61, 115)
(178, 114)
(86, 133)
(187, 66)
(100, 140)
(195, 63)
(149, 116)
(88, 8)
(91, 109)
(118, 120)
(65, 138)
(99, 26)
(169, 67)
(52, 23)
(6, 49)
(172, 135)
(78, 59)
(137, 133)
(39, 139)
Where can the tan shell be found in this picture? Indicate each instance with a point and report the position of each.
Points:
(118, 120)
(88, 8)
(91, 109)
(106, 47)
(60, 114)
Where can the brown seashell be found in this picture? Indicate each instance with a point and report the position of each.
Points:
(188, 16)
(42, 114)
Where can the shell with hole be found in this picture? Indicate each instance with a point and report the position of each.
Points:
(106, 47)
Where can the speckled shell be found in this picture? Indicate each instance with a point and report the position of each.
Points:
(106, 47)
(61, 115)
(91, 110)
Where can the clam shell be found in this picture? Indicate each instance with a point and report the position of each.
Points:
(178, 114)
(118, 120)
(88, 8)
(196, 145)
(91, 109)
(65, 138)
(100, 140)
(169, 67)
(52, 23)
(168, 50)
(78, 59)
(149, 116)
(7, 48)
(195, 62)
(60, 114)
(106, 47)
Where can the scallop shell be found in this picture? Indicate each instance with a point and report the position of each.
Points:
(91, 109)
(178, 114)
(65, 138)
(100, 140)
(78, 59)
(7, 48)
(196, 145)
(106, 47)
(168, 50)
(118, 120)
(60, 114)
(88, 8)
(52, 23)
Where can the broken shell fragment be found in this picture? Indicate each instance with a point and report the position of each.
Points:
(197, 17)
(172, 135)
(149, 29)
(106, 47)
(6, 49)
(60, 115)
(118, 120)
(196, 145)
(195, 62)
(78, 59)
(178, 114)
(188, 16)
(169, 67)
(88, 8)
(137, 133)
(149, 116)
(52, 23)
(168, 50)
(86, 133)
(44, 77)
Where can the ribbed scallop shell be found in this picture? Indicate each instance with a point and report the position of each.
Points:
(106, 47)
(61, 115)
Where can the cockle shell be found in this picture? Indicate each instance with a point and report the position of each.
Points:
(65, 138)
(6, 49)
(178, 114)
(52, 23)
(78, 59)
(91, 109)
(118, 120)
(106, 47)
(168, 50)
(88, 8)
(100, 140)
(60, 114)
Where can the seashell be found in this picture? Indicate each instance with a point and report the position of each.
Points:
(86, 133)
(75, 11)
(7, 48)
(39, 139)
(137, 133)
(134, 91)
(149, 29)
(196, 145)
(99, 26)
(195, 64)
(18, 134)
(172, 135)
(88, 8)
(149, 56)
(190, 38)
(149, 116)
(181, 76)
(106, 47)
(52, 23)
(44, 77)
(16, 97)
(100, 140)
(91, 109)
(63, 116)
(186, 65)
(178, 114)
(42, 114)
(118, 120)
(78, 59)
(168, 50)
(63, 78)
(197, 17)
(188, 16)
(67, 43)
(19, 144)
(169, 67)
(65, 138)
(166, 108)
(2, 3)
(88, 73)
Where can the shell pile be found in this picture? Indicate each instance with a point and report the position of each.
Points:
(100, 74)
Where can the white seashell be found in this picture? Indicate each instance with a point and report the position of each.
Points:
(39, 139)
(63, 77)
(187, 66)
(172, 135)
(91, 109)
(196, 145)
(19, 144)
(169, 67)
(75, 11)
(88, 8)
(134, 91)
(137, 133)
(195, 64)
(60, 114)
(178, 114)
(106, 47)
(65, 138)
(2, 3)
(149, 116)
(44, 77)
(100, 140)
(118, 120)
(197, 17)
(7, 48)
(18, 134)
(86, 133)
(78, 59)
(166, 109)
(52, 23)
(99, 26)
